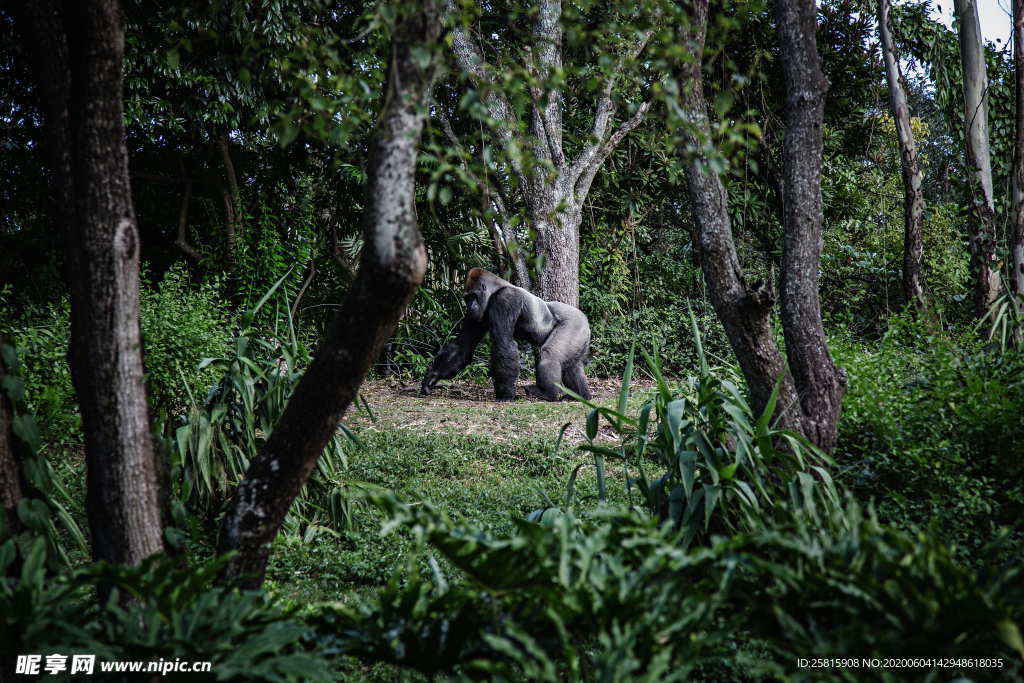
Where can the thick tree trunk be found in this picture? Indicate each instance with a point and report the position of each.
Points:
(745, 311)
(1017, 245)
(982, 223)
(393, 264)
(819, 383)
(80, 80)
(553, 201)
(913, 196)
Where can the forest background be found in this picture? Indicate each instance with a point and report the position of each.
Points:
(221, 217)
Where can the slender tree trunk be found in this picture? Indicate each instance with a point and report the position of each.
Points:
(982, 223)
(232, 202)
(819, 383)
(80, 73)
(1017, 247)
(745, 311)
(913, 196)
(393, 264)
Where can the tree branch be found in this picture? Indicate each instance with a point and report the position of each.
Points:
(604, 110)
(586, 177)
(182, 240)
(472, 62)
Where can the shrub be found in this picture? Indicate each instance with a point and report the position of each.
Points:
(612, 596)
(214, 441)
(931, 429)
(721, 467)
(182, 323)
(176, 614)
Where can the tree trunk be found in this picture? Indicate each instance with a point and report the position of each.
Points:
(392, 267)
(10, 472)
(982, 223)
(913, 196)
(745, 311)
(80, 72)
(232, 203)
(553, 201)
(1017, 247)
(819, 383)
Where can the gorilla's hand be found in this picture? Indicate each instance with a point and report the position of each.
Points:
(429, 382)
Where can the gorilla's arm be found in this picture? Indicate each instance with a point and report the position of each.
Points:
(455, 355)
(503, 311)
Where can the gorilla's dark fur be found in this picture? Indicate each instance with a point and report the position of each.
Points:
(510, 313)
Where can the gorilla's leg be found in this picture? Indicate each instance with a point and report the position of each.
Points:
(549, 374)
(561, 359)
(573, 378)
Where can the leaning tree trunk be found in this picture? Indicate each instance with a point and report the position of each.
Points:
(1017, 247)
(819, 383)
(913, 196)
(745, 311)
(79, 75)
(392, 267)
(982, 222)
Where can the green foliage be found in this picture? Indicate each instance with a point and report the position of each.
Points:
(723, 468)
(862, 259)
(41, 515)
(853, 584)
(612, 596)
(213, 443)
(1005, 320)
(182, 322)
(41, 337)
(175, 612)
(612, 599)
(932, 430)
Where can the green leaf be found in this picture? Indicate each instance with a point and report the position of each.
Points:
(727, 472)
(1009, 633)
(592, 418)
(34, 514)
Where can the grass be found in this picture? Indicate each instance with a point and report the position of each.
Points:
(481, 461)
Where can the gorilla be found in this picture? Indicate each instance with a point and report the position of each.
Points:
(560, 332)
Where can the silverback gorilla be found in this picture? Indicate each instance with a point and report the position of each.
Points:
(510, 313)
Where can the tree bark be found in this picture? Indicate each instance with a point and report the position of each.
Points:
(913, 196)
(553, 200)
(181, 241)
(80, 72)
(392, 267)
(976, 143)
(819, 383)
(10, 472)
(1017, 247)
(745, 311)
(232, 202)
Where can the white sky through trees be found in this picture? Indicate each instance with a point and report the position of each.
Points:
(996, 24)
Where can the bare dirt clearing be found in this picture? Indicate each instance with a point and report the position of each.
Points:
(467, 408)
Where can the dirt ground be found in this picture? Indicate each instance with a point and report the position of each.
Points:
(467, 408)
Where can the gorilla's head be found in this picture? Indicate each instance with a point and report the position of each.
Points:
(479, 286)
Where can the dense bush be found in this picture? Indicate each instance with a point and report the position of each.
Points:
(612, 596)
(932, 429)
(176, 614)
(717, 467)
(182, 323)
